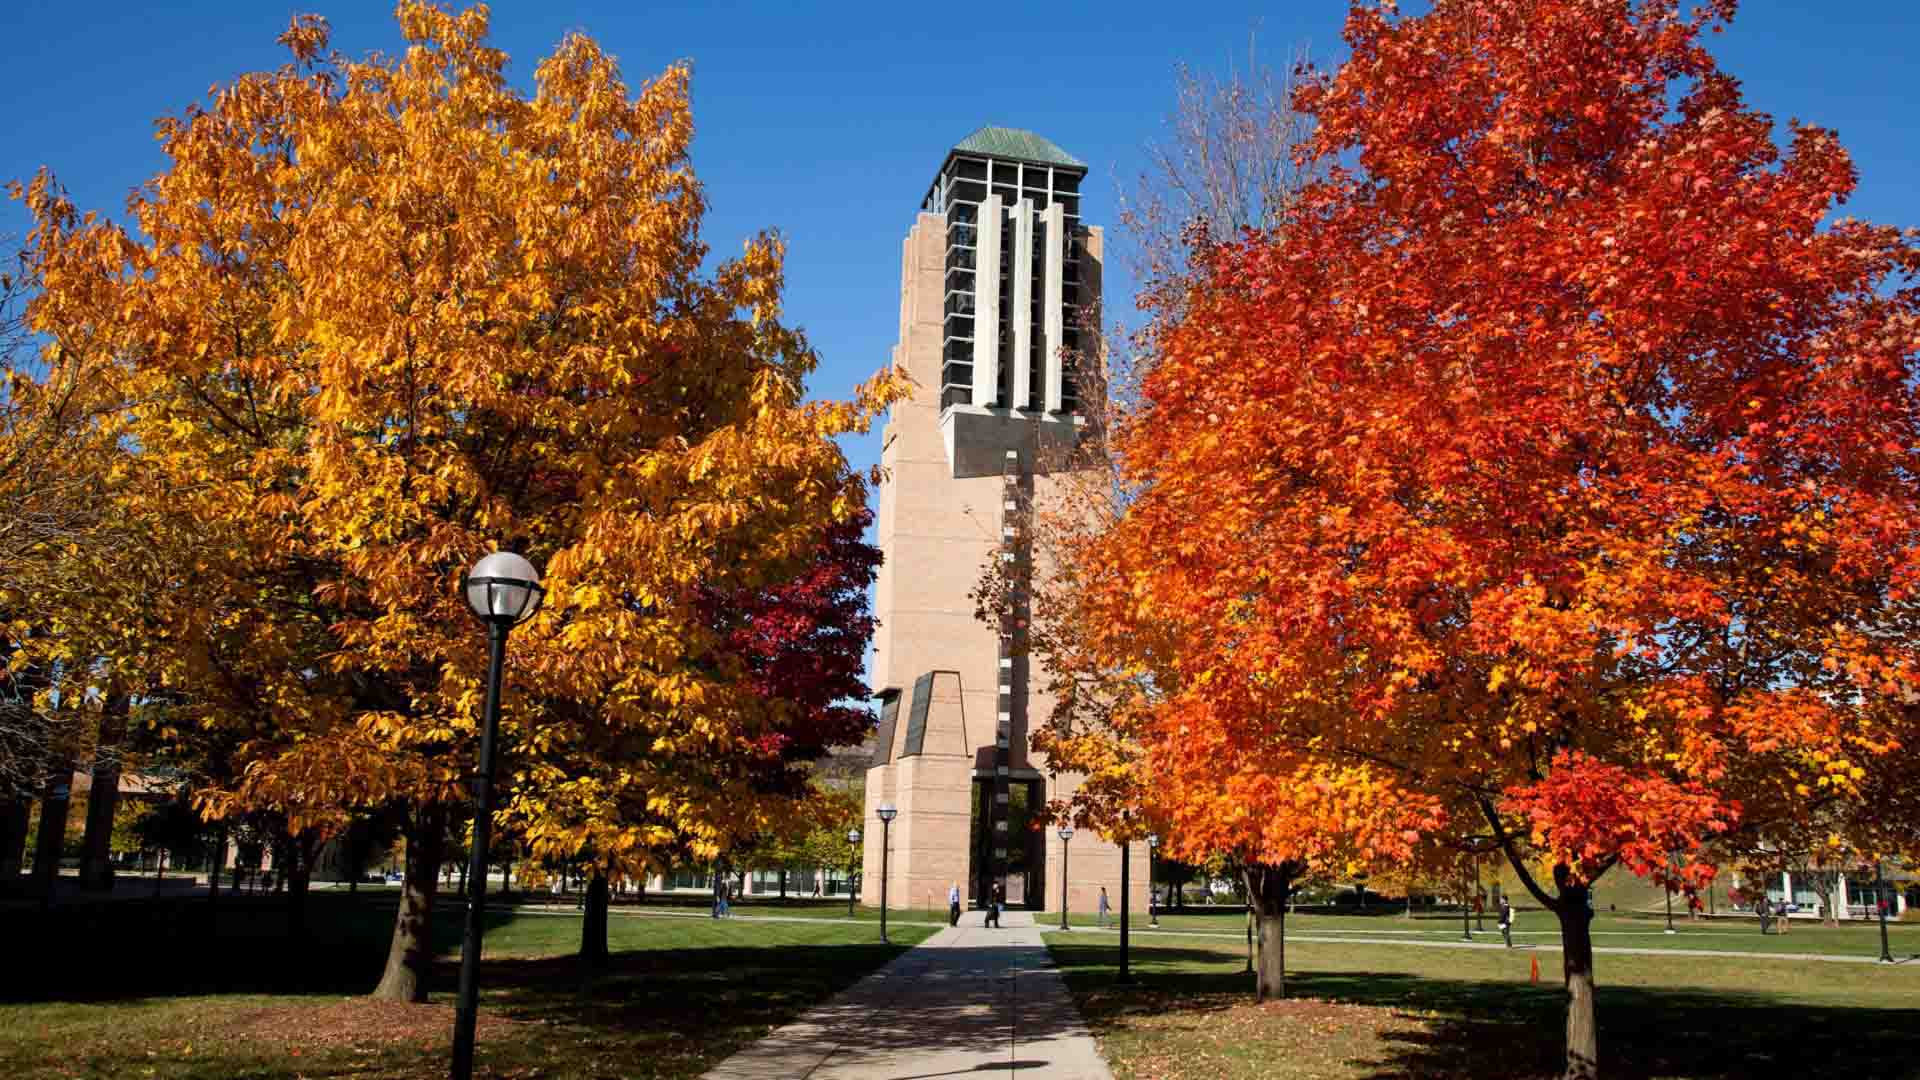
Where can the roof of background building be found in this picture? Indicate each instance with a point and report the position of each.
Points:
(1020, 145)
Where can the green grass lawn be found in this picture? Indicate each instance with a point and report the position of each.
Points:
(1531, 927)
(1538, 928)
(1368, 1010)
(156, 990)
(806, 909)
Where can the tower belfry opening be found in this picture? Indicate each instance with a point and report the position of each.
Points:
(1014, 254)
(998, 274)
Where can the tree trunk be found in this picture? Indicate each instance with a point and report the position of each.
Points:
(411, 953)
(593, 929)
(13, 840)
(96, 849)
(1576, 952)
(54, 802)
(219, 862)
(783, 883)
(298, 875)
(1268, 889)
(355, 847)
(1574, 908)
(283, 859)
(506, 878)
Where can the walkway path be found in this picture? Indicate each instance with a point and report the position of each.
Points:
(969, 1002)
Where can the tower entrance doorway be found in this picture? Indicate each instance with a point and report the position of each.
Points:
(1023, 874)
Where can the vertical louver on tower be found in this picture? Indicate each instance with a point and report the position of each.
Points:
(1015, 248)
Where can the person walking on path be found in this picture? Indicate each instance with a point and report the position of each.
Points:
(1103, 905)
(994, 900)
(953, 904)
(1506, 920)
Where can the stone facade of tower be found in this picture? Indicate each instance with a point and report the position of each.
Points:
(958, 698)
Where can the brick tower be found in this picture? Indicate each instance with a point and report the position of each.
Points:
(995, 274)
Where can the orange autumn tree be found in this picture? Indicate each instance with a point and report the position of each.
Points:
(1279, 815)
(1554, 456)
(1147, 756)
(381, 317)
(1820, 835)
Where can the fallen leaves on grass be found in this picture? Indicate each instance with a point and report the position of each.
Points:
(1156, 1037)
(353, 1023)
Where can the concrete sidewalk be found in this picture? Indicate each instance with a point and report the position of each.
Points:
(970, 1001)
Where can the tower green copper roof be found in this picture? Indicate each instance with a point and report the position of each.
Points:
(1017, 144)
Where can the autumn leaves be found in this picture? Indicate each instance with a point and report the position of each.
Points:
(1545, 478)
(379, 317)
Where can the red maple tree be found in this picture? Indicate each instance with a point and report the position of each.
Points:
(1555, 456)
(803, 641)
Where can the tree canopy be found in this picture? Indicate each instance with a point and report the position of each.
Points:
(376, 318)
(1552, 459)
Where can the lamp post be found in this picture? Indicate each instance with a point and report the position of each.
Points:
(1066, 834)
(1249, 970)
(1880, 901)
(885, 813)
(1125, 978)
(853, 856)
(1153, 909)
(1466, 909)
(1479, 904)
(503, 590)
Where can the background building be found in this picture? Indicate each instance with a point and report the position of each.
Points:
(996, 275)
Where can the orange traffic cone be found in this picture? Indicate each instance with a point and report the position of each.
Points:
(1536, 968)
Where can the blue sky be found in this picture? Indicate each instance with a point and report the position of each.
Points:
(827, 121)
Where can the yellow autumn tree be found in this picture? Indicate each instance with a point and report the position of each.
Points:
(383, 316)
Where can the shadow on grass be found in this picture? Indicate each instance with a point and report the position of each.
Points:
(186, 946)
(678, 989)
(1505, 1031)
(665, 1013)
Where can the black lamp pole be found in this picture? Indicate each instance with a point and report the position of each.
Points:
(886, 813)
(1249, 970)
(853, 857)
(1066, 834)
(1125, 977)
(1479, 905)
(502, 589)
(466, 1014)
(1466, 911)
(1880, 896)
(1153, 909)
